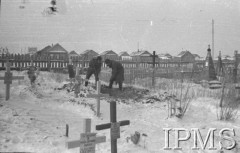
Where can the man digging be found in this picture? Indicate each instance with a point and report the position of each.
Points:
(94, 68)
(117, 73)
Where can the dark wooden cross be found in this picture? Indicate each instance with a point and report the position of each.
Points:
(87, 140)
(153, 73)
(8, 79)
(98, 96)
(114, 126)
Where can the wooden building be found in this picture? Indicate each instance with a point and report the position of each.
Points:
(86, 56)
(197, 57)
(164, 56)
(185, 56)
(109, 54)
(73, 54)
(124, 56)
(54, 52)
(142, 56)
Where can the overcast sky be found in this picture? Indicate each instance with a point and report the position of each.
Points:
(166, 26)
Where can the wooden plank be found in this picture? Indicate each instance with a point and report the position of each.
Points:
(7, 91)
(98, 99)
(76, 143)
(87, 125)
(115, 130)
(18, 78)
(108, 125)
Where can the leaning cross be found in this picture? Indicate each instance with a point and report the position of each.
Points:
(98, 96)
(87, 140)
(8, 79)
(114, 126)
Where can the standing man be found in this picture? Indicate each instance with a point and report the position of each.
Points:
(71, 71)
(117, 73)
(94, 68)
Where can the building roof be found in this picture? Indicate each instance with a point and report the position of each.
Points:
(226, 56)
(164, 56)
(124, 54)
(73, 52)
(140, 53)
(45, 49)
(183, 53)
(108, 52)
(57, 48)
(196, 55)
(168, 55)
(89, 50)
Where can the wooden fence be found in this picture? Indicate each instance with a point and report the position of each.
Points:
(55, 62)
(133, 69)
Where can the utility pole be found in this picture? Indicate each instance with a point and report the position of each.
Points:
(213, 39)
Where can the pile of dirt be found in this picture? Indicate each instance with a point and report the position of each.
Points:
(127, 95)
(133, 95)
(70, 87)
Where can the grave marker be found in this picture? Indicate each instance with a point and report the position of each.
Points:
(87, 140)
(114, 126)
(153, 72)
(8, 79)
(78, 81)
(98, 96)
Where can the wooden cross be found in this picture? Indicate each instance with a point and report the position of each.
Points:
(114, 126)
(78, 81)
(153, 74)
(98, 96)
(87, 140)
(8, 79)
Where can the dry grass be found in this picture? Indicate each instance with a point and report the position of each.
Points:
(228, 106)
(175, 87)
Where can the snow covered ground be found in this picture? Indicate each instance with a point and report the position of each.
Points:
(34, 120)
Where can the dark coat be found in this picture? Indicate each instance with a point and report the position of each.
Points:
(95, 66)
(117, 71)
(71, 71)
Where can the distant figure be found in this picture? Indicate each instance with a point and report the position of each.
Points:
(31, 74)
(54, 5)
(71, 71)
(94, 68)
(117, 73)
(50, 10)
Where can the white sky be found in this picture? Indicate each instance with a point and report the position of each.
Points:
(160, 25)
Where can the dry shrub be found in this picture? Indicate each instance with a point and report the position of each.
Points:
(229, 104)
